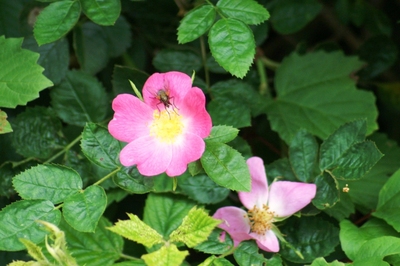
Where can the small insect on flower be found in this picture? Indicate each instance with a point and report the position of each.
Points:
(163, 96)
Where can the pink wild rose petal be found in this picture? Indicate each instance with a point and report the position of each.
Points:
(268, 242)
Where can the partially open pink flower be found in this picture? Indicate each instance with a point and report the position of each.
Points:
(164, 132)
(265, 206)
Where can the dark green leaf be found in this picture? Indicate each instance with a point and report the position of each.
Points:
(303, 153)
(100, 147)
(83, 210)
(56, 20)
(327, 192)
(195, 23)
(80, 98)
(19, 220)
(222, 134)
(214, 244)
(121, 77)
(281, 169)
(343, 208)
(36, 133)
(312, 243)
(226, 167)
(229, 111)
(7, 172)
(9, 18)
(49, 182)
(184, 61)
(118, 37)
(289, 16)
(248, 11)
(102, 12)
(247, 254)
(232, 45)
(132, 181)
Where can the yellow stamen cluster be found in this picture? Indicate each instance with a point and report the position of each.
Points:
(261, 219)
(166, 125)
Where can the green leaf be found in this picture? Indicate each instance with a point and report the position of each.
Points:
(289, 16)
(229, 111)
(214, 261)
(80, 98)
(102, 12)
(357, 161)
(327, 192)
(226, 167)
(210, 192)
(214, 244)
(195, 23)
(5, 126)
(166, 256)
(56, 20)
(377, 248)
(18, 220)
(10, 25)
(37, 133)
(121, 77)
(281, 169)
(21, 83)
(83, 210)
(232, 45)
(184, 61)
(195, 228)
(247, 254)
(165, 212)
(343, 208)
(132, 181)
(311, 243)
(33, 250)
(100, 147)
(340, 141)
(248, 11)
(322, 262)
(47, 181)
(320, 96)
(303, 153)
(102, 247)
(136, 230)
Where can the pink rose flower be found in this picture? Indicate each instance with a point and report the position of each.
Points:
(165, 132)
(265, 206)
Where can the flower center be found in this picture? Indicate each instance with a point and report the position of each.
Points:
(166, 125)
(261, 219)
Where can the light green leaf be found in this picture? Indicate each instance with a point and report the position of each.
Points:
(248, 11)
(48, 181)
(18, 220)
(232, 45)
(247, 254)
(195, 228)
(22, 82)
(136, 230)
(83, 210)
(165, 256)
(214, 261)
(56, 20)
(195, 23)
(5, 126)
(320, 96)
(102, 12)
(322, 262)
(377, 248)
(80, 98)
(33, 250)
(184, 61)
(226, 166)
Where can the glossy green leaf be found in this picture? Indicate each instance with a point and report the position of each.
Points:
(165, 212)
(132, 181)
(195, 23)
(214, 244)
(289, 16)
(195, 228)
(102, 12)
(247, 254)
(320, 96)
(184, 61)
(229, 111)
(23, 82)
(210, 192)
(311, 243)
(5, 126)
(136, 230)
(37, 133)
(226, 166)
(222, 134)
(281, 169)
(47, 181)
(340, 141)
(327, 192)
(83, 210)
(357, 161)
(80, 98)
(102, 247)
(343, 208)
(232, 45)
(18, 220)
(166, 256)
(303, 153)
(248, 11)
(56, 20)
(100, 147)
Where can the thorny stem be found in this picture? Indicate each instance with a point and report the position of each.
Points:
(66, 148)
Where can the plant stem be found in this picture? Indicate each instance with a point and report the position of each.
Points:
(66, 148)
(204, 59)
(107, 176)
